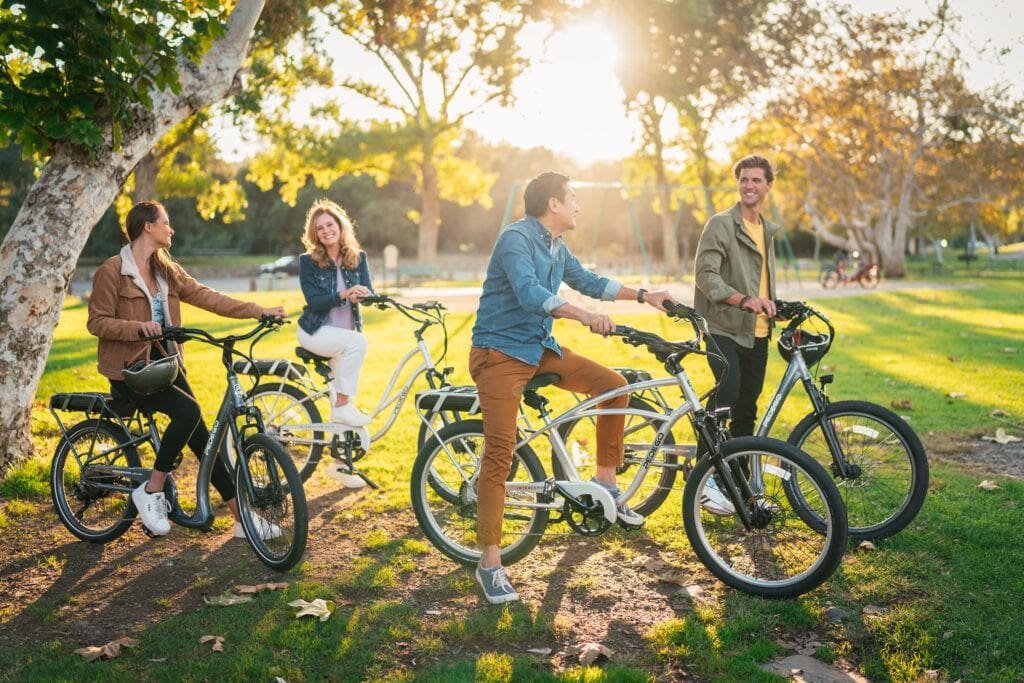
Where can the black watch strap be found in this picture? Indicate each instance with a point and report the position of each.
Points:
(640, 295)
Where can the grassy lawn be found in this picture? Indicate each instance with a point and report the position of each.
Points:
(950, 585)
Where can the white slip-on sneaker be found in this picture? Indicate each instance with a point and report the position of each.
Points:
(339, 474)
(349, 415)
(267, 530)
(714, 501)
(153, 509)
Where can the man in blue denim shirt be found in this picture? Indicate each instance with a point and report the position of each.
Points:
(512, 342)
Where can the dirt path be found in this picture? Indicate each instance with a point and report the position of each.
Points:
(55, 587)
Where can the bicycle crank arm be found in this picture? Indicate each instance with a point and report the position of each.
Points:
(576, 489)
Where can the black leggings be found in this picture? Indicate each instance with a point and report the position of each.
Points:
(178, 403)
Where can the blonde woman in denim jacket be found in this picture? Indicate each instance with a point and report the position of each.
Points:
(334, 277)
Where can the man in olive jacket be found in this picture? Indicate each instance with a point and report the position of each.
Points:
(735, 276)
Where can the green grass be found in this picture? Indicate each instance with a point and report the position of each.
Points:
(951, 582)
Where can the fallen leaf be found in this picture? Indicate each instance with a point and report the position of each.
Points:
(319, 608)
(1009, 349)
(953, 359)
(874, 610)
(903, 404)
(953, 395)
(433, 612)
(988, 485)
(1001, 437)
(218, 642)
(999, 412)
(866, 545)
(589, 652)
(693, 591)
(226, 599)
(259, 588)
(539, 650)
(108, 651)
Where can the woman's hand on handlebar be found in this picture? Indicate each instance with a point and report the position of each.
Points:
(150, 328)
(661, 300)
(355, 293)
(275, 312)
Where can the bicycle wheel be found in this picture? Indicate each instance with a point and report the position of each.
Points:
(869, 280)
(80, 484)
(284, 408)
(580, 438)
(891, 480)
(453, 458)
(779, 555)
(830, 279)
(273, 491)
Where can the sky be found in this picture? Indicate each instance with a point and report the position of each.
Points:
(569, 99)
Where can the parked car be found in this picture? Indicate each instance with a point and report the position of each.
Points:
(286, 265)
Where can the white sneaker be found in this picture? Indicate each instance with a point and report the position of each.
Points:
(266, 530)
(714, 501)
(153, 509)
(349, 415)
(346, 479)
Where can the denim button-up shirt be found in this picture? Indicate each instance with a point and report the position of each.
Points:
(320, 287)
(526, 269)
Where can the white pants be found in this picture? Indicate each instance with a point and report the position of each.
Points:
(346, 349)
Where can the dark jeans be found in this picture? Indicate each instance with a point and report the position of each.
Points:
(179, 404)
(743, 383)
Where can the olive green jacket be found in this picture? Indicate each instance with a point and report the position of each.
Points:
(727, 262)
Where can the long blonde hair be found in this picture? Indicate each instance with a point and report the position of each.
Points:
(349, 244)
(149, 212)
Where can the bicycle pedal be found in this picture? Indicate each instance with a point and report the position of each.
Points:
(345, 477)
(629, 527)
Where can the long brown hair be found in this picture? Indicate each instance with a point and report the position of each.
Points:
(349, 244)
(149, 212)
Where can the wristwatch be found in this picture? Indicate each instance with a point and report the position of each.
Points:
(640, 295)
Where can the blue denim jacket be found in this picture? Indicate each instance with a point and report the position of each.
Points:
(521, 289)
(320, 287)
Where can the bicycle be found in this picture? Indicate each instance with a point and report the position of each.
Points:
(765, 548)
(876, 458)
(289, 405)
(96, 464)
(832, 275)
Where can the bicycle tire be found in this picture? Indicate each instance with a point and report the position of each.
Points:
(288, 404)
(869, 280)
(451, 527)
(780, 556)
(276, 495)
(893, 480)
(831, 279)
(111, 513)
(658, 480)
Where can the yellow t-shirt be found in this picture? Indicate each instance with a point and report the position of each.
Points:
(756, 233)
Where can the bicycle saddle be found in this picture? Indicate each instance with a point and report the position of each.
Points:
(309, 356)
(544, 379)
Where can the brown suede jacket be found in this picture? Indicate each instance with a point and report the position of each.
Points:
(117, 307)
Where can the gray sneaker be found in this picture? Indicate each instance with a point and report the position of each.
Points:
(627, 516)
(495, 583)
(715, 501)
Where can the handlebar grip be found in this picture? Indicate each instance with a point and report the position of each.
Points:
(678, 310)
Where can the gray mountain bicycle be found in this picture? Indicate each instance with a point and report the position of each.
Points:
(97, 464)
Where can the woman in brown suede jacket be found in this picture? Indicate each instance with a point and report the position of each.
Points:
(134, 295)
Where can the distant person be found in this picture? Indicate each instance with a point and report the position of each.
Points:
(136, 294)
(334, 277)
(735, 292)
(512, 342)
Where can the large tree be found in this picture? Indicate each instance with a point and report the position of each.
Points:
(92, 86)
(686, 64)
(886, 132)
(441, 61)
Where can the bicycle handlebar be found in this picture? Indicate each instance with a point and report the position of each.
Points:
(183, 334)
(798, 312)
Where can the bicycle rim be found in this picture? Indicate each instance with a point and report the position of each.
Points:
(283, 407)
(892, 482)
(780, 556)
(272, 504)
(88, 511)
(452, 461)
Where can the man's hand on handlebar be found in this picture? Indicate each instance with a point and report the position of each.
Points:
(599, 323)
(756, 304)
(660, 300)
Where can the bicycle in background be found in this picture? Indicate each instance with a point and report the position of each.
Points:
(96, 464)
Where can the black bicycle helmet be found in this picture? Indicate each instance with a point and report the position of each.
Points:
(148, 377)
(812, 346)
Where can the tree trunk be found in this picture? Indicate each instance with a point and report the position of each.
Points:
(430, 215)
(669, 236)
(39, 253)
(145, 178)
